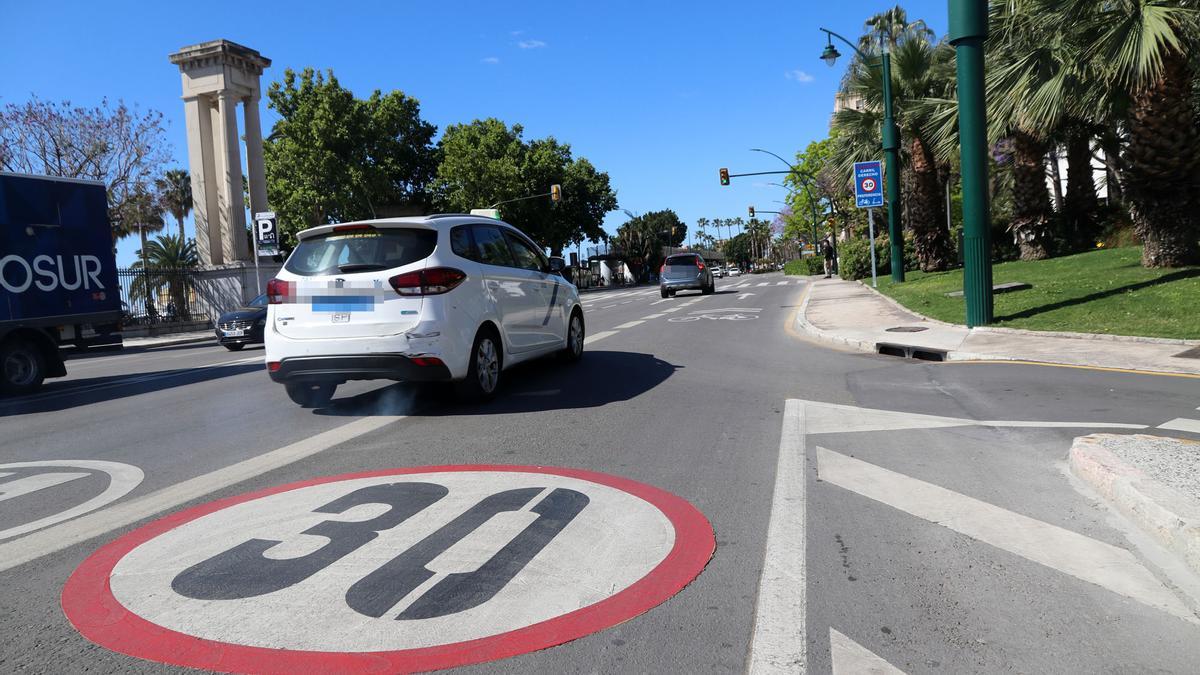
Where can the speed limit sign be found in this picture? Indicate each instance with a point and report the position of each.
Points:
(398, 570)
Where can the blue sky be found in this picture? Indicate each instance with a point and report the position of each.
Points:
(659, 95)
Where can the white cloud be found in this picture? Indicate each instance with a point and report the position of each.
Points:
(515, 33)
(799, 76)
(531, 44)
(490, 60)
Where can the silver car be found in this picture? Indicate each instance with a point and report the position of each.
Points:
(684, 271)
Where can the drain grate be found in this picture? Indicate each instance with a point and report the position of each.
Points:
(1193, 353)
(907, 329)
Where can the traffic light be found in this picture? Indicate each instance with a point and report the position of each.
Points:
(751, 211)
(724, 176)
(556, 193)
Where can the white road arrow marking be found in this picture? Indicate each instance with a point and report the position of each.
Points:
(851, 658)
(743, 296)
(1084, 558)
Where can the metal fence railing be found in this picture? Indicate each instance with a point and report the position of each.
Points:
(153, 296)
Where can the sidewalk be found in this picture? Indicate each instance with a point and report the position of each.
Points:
(852, 314)
(169, 340)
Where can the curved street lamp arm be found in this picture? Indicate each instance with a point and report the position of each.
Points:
(864, 57)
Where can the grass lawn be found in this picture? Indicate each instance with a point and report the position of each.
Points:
(1104, 291)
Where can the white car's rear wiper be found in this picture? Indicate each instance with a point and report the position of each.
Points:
(361, 267)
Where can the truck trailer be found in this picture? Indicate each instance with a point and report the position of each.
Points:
(58, 275)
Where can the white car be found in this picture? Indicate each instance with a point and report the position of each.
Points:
(733, 271)
(432, 298)
(718, 272)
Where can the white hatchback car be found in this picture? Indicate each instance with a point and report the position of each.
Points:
(445, 297)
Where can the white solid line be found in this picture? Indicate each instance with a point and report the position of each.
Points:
(782, 283)
(598, 336)
(673, 309)
(607, 306)
(778, 643)
(765, 283)
(87, 527)
(652, 316)
(851, 658)
(1182, 424)
(658, 301)
(1105, 565)
(630, 324)
(835, 418)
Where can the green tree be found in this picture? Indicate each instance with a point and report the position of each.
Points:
(175, 191)
(644, 237)
(335, 158)
(487, 162)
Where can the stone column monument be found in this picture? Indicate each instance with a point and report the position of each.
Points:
(218, 75)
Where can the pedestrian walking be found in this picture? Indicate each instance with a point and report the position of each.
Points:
(827, 249)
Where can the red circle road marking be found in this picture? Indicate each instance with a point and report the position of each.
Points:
(89, 604)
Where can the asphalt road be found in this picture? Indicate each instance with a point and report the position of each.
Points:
(887, 532)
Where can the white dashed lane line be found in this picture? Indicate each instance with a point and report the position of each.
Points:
(630, 324)
(652, 316)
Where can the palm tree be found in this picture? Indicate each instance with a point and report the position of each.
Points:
(166, 261)
(1142, 51)
(893, 26)
(920, 70)
(175, 190)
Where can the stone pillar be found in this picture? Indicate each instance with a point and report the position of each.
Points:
(216, 76)
(254, 156)
(233, 202)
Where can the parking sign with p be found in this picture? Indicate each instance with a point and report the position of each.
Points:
(266, 234)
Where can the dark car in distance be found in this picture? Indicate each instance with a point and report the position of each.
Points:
(243, 325)
(685, 271)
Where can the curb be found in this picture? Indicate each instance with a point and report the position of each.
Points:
(1168, 516)
(1106, 337)
(871, 347)
(169, 343)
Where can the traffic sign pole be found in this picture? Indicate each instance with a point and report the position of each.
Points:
(871, 230)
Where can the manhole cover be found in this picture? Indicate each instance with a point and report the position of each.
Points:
(907, 329)
(1193, 353)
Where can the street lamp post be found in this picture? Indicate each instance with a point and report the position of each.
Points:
(891, 143)
(968, 28)
(805, 181)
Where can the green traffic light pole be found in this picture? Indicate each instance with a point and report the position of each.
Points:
(891, 144)
(968, 28)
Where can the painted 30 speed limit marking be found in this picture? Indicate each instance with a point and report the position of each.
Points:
(396, 570)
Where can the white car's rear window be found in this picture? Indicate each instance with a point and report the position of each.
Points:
(361, 251)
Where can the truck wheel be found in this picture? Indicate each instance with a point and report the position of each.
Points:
(22, 367)
(310, 394)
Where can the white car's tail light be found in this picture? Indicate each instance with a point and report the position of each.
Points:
(280, 291)
(433, 281)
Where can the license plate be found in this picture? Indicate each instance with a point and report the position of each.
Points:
(341, 317)
(235, 333)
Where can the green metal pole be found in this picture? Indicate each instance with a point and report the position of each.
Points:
(968, 29)
(891, 154)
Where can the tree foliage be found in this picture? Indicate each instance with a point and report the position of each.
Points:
(643, 238)
(333, 157)
(487, 162)
(121, 146)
